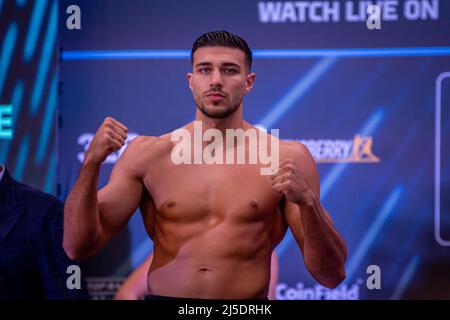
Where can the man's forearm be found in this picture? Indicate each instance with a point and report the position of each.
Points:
(81, 214)
(324, 249)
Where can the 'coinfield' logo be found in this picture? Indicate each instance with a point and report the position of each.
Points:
(317, 292)
(357, 150)
(6, 131)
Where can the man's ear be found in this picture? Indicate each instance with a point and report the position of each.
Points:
(189, 78)
(249, 82)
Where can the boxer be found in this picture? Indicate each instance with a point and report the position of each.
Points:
(213, 226)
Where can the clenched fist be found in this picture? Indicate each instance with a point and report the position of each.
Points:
(290, 182)
(110, 137)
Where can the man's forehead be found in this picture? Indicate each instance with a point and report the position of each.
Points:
(219, 55)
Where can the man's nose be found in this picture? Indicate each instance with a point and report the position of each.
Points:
(216, 79)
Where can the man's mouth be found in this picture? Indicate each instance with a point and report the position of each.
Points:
(215, 96)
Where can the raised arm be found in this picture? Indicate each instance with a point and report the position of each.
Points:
(324, 250)
(92, 218)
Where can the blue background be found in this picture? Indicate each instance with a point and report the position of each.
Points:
(385, 211)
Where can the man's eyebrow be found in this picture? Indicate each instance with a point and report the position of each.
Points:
(203, 64)
(231, 64)
(225, 64)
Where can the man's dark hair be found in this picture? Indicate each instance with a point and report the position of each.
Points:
(223, 39)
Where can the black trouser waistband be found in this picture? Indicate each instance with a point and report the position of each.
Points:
(156, 297)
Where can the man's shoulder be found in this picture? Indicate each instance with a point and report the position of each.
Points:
(294, 149)
(149, 146)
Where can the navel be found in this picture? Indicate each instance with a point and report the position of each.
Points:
(204, 269)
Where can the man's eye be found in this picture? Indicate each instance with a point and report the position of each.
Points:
(203, 70)
(230, 71)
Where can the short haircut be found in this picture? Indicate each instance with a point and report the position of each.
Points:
(223, 39)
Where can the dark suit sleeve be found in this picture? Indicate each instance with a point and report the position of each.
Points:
(52, 259)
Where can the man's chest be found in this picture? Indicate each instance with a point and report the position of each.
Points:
(236, 191)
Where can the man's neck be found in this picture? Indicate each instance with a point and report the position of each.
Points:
(233, 121)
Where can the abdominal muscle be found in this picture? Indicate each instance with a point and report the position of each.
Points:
(224, 261)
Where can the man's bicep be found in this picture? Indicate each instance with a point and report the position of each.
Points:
(119, 199)
(308, 168)
(292, 215)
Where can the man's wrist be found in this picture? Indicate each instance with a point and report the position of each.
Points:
(91, 163)
(309, 201)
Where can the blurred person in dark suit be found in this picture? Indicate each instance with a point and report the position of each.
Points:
(33, 264)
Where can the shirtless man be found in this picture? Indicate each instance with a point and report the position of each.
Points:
(214, 226)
